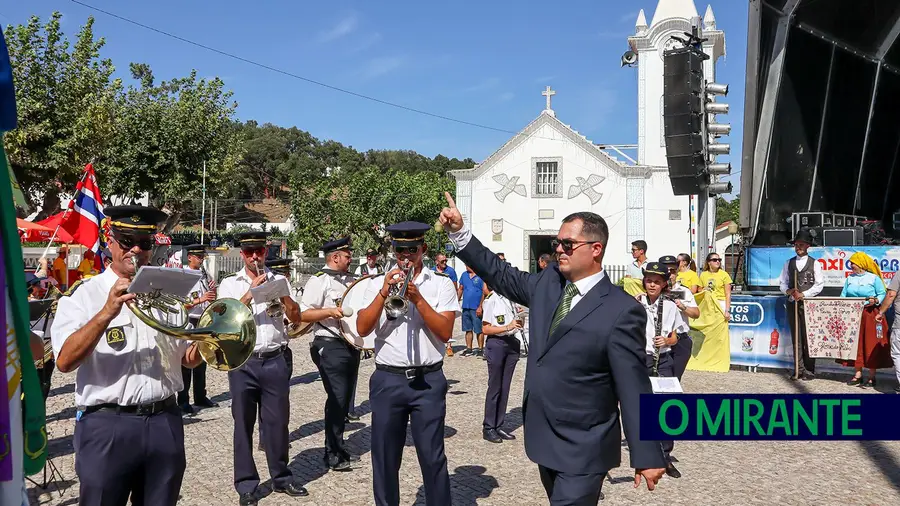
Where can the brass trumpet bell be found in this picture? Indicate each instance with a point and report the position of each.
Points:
(226, 332)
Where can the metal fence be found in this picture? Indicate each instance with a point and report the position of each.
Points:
(615, 272)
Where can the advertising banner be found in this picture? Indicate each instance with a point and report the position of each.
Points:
(764, 265)
(832, 326)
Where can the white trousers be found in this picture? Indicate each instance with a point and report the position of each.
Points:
(895, 347)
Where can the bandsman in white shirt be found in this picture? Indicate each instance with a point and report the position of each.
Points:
(409, 384)
(336, 360)
(687, 308)
(201, 295)
(662, 325)
(129, 434)
(261, 384)
(282, 267)
(500, 325)
(371, 267)
(801, 277)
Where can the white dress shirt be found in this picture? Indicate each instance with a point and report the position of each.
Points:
(269, 331)
(407, 341)
(365, 270)
(787, 279)
(196, 292)
(324, 291)
(669, 321)
(132, 364)
(684, 325)
(498, 311)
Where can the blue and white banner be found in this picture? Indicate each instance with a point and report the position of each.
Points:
(764, 265)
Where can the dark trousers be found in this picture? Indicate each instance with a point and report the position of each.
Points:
(666, 369)
(117, 455)
(260, 385)
(681, 354)
(804, 362)
(198, 374)
(45, 375)
(422, 402)
(502, 355)
(338, 366)
(566, 489)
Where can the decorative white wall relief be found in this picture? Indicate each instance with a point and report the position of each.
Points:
(508, 186)
(587, 187)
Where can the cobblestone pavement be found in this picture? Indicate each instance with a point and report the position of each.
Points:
(482, 473)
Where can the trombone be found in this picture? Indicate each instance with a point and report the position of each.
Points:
(225, 334)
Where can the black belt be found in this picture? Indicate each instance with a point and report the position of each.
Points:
(150, 409)
(410, 372)
(330, 339)
(265, 355)
(505, 337)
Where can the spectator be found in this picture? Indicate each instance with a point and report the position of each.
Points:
(61, 269)
(543, 261)
(87, 267)
(718, 282)
(471, 291)
(639, 254)
(873, 351)
(440, 265)
(687, 273)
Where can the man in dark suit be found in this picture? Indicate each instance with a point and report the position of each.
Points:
(587, 359)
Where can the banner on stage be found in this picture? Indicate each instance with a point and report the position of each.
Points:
(832, 326)
(764, 264)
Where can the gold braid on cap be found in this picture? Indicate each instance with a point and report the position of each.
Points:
(120, 224)
(408, 239)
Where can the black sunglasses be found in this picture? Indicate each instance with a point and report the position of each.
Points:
(715, 259)
(406, 249)
(128, 242)
(568, 245)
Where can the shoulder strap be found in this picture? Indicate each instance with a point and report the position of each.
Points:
(659, 315)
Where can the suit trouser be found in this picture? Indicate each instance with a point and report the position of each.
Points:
(421, 402)
(502, 355)
(804, 362)
(261, 384)
(338, 366)
(681, 353)
(198, 375)
(567, 489)
(665, 369)
(117, 455)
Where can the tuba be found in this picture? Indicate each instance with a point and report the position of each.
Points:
(396, 304)
(225, 334)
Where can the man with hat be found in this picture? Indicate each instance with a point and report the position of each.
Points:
(201, 295)
(283, 266)
(336, 360)
(261, 384)
(408, 384)
(371, 267)
(801, 277)
(129, 433)
(687, 308)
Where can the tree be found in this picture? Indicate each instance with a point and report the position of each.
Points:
(66, 101)
(166, 133)
(728, 211)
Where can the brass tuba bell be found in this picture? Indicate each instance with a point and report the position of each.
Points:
(225, 334)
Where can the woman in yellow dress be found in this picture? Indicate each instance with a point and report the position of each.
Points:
(687, 273)
(716, 279)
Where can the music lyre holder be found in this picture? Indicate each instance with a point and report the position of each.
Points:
(55, 477)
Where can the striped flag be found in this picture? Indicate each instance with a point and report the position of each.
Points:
(84, 220)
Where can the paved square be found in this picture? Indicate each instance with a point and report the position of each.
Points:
(484, 473)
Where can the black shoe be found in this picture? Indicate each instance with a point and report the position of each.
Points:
(187, 409)
(855, 381)
(624, 443)
(467, 352)
(869, 384)
(293, 490)
(672, 471)
(206, 403)
(352, 417)
(337, 463)
(808, 376)
(505, 435)
(248, 499)
(672, 459)
(349, 457)
(897, 389)
(492, 436)
(602, 497)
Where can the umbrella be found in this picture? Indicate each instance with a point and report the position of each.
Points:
(41, 232)
(61, 234)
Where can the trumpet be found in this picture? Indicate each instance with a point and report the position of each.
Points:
(225, 334)
(396, 304)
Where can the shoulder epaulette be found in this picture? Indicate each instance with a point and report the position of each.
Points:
(319, 273)
(488, 296)
(74, 287)
(441, 274)
(229, 275)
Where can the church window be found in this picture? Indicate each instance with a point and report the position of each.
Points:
(546, 177)
(634, 211)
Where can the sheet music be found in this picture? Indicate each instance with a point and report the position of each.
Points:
(666, 385)
(271, 290)
(173, 281)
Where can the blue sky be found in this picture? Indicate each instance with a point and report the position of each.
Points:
(484, 62)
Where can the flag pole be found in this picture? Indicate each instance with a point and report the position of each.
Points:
(61, 220)
(203, 211)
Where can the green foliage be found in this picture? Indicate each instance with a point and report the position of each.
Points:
(728, 211)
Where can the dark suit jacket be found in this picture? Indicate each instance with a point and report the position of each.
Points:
(577, 377)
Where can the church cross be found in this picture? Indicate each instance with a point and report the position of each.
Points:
(548, 93)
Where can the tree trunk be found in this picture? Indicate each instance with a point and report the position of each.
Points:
(171, 222)
(50, 204)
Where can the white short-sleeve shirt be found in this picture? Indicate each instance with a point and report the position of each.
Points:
(198, 291)
(669, 321)
(325, 290)
(269, 331)
(132, 364)
(498, 311)
(684, 325)
(407, 341)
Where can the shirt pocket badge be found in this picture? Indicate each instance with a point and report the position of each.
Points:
(501, 319)
(115, 338)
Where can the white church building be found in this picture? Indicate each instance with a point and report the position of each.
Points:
(516, 199)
